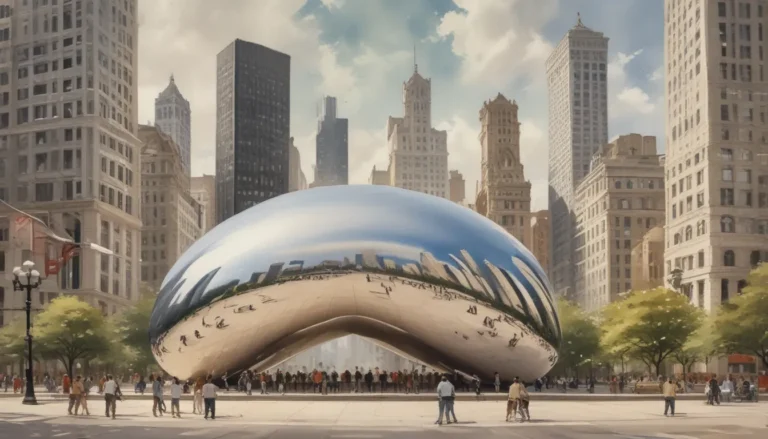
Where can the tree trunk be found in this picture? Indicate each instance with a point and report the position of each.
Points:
(70, 366)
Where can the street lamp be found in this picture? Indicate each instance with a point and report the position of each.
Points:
(26, 278)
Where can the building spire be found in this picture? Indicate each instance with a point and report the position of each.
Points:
(578, 20)
(172, 80)
(415, 66)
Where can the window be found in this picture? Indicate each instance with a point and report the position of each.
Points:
(755, 258)
(727, 224)
(726, 197)
(701, 258)
(44, 192)
(727, 173)
(729, 258)
(724, 290)
(688, 233)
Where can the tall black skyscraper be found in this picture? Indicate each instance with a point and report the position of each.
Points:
(253, 94)
(332, 149)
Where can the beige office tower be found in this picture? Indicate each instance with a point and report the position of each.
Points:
(379, 177)
(505, 195)
(577, 77)
(172, 219)
(69, 151)
(296, 179)
(616, 204)
(418, 155)
(203, 190)
(717, 145)
(648, 261)
(540, 230)
(456, 187)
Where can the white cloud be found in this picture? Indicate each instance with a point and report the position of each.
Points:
(625, 99)
(636, 99)
(499, 40)
(330, 4)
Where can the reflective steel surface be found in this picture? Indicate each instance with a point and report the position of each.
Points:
(420, 275)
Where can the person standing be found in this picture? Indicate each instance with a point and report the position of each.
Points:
(670, 392)
(84, 397)
(358, 380)
(175, 398)
(445, 391)
(513, 398)
(65, 384)
(496, 381)
(209, 397)
(111, 393)
(74, 396)
(157, 396)
(197, 401)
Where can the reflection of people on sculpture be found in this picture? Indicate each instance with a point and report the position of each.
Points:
(197, 334)
(183, 340)
(513, 341)
(205, 325)
(220, 324)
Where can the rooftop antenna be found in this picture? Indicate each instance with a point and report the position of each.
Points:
(579, 23)
(415, 66)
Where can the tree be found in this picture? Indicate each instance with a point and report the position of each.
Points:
(69, 330)
(741, 324)
(580, 339)
(13, 343)
(649, 325)
(132, 328)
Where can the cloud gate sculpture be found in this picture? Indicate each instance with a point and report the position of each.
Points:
(420, 275)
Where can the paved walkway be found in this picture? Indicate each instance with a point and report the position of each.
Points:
(399, 414)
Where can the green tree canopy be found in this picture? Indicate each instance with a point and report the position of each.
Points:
(741, 324)
(132, 328)
(70, 330)
(13, 343)
(649, 325)
(581, 336)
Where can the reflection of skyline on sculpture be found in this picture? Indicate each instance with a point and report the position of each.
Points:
(510, 288)
(323, 263)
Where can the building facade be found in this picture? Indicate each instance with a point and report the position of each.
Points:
(648, 261)
(457, 187)
(616, 204)
(379, 177)
(203, 190)
(296, 179)
(578, 127)
(331, 147)
(540, 230)
(253, 94)
(418, 153)
(717, 132)
(173, 116)
(172, 219)
(505, 195)
(69, 151)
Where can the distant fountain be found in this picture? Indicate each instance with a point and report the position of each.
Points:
(346, 353)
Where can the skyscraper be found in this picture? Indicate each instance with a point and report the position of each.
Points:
(173, 116)
(253, 92)
(505, 195)
(578, 126)
(716, 166)
(69, 151)
(418, 157)
(332, 149)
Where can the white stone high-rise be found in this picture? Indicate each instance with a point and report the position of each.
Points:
(173, 116)
(578, 127)
(418, 153)
(69, 151)
(717, 145)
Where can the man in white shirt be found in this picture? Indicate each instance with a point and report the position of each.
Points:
(111, 393)
(726, 389)
(445, 394)
(175, 398)
(209, 397)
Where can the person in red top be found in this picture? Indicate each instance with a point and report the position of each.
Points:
(65, 384)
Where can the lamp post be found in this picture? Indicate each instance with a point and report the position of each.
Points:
(26, 278)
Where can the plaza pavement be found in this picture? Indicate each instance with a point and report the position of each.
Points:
(401, 414)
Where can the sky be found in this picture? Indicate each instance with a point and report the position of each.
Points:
(361, 51)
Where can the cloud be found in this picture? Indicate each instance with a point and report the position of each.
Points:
(498, 40)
